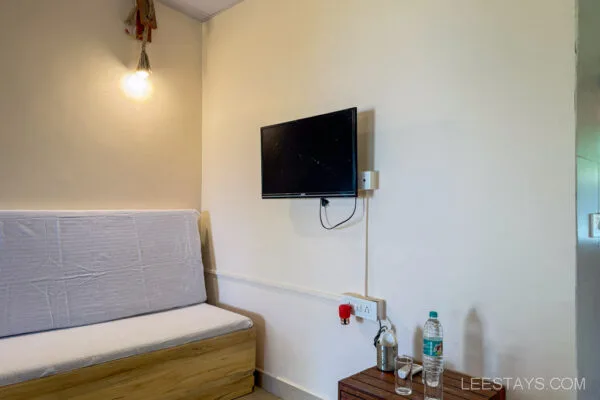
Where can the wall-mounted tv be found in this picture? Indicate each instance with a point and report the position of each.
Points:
(311, 157)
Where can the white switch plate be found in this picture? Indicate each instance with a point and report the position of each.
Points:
(365, 307)
(594, 225)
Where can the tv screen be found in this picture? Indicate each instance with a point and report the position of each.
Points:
(311, 157)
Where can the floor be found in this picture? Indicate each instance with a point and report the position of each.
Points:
(259, 394)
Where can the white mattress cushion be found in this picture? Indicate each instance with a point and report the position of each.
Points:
(66, 269)
(42, 354)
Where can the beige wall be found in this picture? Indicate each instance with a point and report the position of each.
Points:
(69, 137)
(471, 108)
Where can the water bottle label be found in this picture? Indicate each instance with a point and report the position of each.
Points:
(433, 347)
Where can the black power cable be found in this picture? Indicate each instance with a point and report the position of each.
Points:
(323, 204)
(379, 332)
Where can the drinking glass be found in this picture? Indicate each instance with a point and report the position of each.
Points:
(403, 373)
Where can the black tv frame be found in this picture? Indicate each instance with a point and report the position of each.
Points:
(352, 193)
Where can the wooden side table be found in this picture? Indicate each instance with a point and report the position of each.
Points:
(372, 384)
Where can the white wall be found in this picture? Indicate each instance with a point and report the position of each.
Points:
(69, 137)
(471, 108)
(588, 192)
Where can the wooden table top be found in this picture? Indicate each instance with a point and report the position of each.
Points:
(372, 384)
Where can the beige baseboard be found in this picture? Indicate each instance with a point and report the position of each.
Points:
(282, 388)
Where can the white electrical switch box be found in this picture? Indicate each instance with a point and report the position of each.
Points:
(369, 180)
(365, 307)
(595, 225)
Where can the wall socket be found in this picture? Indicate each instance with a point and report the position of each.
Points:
(365, 307)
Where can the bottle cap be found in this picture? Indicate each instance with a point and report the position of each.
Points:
(432, 314)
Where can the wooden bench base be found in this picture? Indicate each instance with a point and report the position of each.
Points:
(218, 368)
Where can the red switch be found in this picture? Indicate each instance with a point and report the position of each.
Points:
(345, 311)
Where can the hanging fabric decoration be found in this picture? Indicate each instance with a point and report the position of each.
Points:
(141, 20)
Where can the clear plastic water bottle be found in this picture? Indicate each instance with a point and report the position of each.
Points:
(433, 357)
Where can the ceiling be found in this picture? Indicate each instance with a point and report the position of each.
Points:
(200, 9)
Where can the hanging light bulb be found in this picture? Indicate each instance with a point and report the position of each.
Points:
(137, 85)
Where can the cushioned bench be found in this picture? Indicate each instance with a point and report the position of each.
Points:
(109, 305)
(42, 354)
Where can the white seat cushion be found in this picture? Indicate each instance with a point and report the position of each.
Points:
(47, 353)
